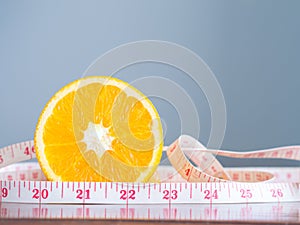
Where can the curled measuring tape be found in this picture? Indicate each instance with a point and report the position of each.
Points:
(203, 181)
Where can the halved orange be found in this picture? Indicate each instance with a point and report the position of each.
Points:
(99, 129)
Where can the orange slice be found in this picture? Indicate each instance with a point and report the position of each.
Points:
(99, 129)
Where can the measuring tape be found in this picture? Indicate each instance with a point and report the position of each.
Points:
(285, 212)
(203, 181)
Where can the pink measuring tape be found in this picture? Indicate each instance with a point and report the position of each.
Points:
(203, 181)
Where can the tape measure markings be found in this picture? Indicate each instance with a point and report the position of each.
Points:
(16, 153)
(287, 212)
(80, 192)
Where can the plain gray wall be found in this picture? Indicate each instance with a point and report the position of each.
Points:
(251, 46)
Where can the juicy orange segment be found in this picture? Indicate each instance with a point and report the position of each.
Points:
(99, 129)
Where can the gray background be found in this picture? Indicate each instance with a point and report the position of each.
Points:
(251, 46)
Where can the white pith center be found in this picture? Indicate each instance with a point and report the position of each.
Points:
(97, 138)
